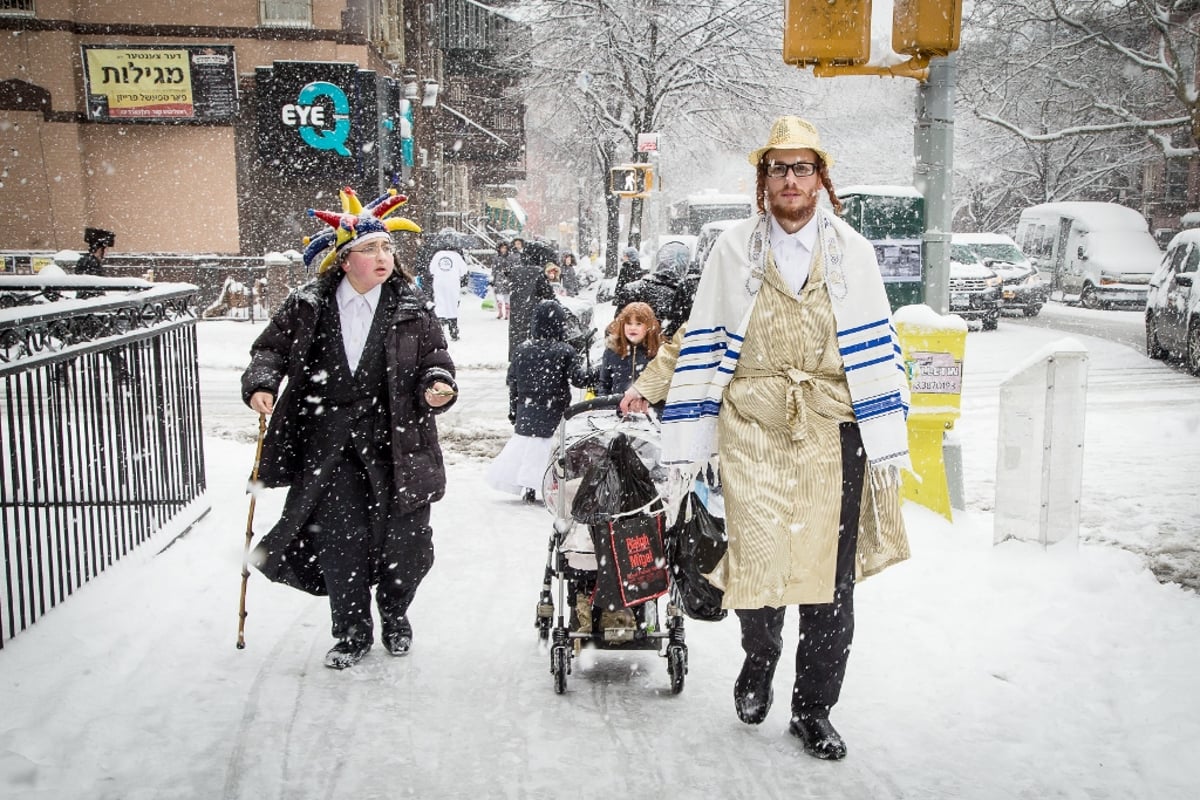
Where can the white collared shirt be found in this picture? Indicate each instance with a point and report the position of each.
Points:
(794, 252)
(356, 312)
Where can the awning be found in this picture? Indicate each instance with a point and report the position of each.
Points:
(505, 212)
(475, 124)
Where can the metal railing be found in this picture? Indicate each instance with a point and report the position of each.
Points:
(100, 420)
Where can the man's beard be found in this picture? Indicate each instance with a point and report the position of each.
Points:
(797, 214)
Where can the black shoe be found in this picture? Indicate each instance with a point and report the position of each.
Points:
(752, 692)
(821, 739)
(399, 641)
(530, 496)
(346, 653)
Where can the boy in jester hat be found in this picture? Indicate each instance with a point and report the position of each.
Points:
(352, 370)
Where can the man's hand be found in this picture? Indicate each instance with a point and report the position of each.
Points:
(632, 400)
(439, 394)
(262, 402)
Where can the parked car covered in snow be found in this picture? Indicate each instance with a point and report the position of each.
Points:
(974, 289)
(1173, 303)
(1022, 288)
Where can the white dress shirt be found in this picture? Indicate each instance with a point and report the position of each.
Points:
(356, 312)
(794, 252)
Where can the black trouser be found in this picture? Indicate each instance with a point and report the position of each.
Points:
(343, 528)
(452, 324)
(826, 629)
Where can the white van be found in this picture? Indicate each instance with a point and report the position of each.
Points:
(1100, 254)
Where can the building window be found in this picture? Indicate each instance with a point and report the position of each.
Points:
(284, 13)
(1176, 187)
(16, 8)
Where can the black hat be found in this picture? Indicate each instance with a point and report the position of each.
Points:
(98, 237)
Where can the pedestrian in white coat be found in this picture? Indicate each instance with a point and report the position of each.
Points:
(448, 268)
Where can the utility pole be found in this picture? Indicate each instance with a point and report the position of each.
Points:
(933, 146)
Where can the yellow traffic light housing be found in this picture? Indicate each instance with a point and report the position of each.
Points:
(827, 32)
(631, 180)
(926, 27)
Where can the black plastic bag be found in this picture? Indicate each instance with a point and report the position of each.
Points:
(614, 484)
(697, 545)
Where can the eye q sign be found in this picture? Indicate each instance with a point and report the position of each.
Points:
(321, 116)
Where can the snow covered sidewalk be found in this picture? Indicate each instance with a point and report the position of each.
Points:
(978, 671)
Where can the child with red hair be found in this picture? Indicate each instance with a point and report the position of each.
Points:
(633, 339)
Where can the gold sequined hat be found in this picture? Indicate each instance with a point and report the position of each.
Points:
(792, 133)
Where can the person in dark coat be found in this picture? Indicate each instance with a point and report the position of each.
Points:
(502, 278)
(364, 369)
(633, 340)
(682, 300)
(540, 376)
(657, 288)
(98, 241)
(570, 278)
(630, 271)
(528, 286)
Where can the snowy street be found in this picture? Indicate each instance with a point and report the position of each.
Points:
(978, 671)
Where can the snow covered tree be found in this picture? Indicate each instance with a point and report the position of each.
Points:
(1082, 94)
(696, 71)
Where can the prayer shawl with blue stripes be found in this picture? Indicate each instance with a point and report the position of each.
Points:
(711, 346)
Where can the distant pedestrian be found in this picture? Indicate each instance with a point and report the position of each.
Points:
(657, 288)
(448, 269)
(570, 274)
(631, 269)
(543, 369)
(529, 285)
(502, 277)
(98, 241)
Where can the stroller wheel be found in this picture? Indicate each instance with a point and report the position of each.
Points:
(677, 666)
(560, 661)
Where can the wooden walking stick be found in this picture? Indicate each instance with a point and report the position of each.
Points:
(262, 432)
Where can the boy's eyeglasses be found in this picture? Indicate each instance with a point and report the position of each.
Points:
(374, 249)
(801, 169)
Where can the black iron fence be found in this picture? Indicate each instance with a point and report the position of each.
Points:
(100, 425)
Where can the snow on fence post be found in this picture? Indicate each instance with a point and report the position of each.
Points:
(1039, 460)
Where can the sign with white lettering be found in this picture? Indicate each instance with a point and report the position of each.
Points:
(319, 119)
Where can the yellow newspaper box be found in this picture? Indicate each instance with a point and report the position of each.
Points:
(932, 347)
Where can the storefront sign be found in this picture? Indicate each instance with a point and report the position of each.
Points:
(319, 118)
(160, 83)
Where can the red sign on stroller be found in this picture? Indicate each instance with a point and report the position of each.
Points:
(637, 571)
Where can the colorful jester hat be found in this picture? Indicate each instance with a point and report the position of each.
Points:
(355, 225)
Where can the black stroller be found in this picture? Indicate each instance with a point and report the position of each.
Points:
(606, 566)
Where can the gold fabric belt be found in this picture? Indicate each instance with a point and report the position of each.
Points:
(802, 394)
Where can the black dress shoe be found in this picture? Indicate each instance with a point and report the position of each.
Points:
(399, 641)
(820, 738)
(346, 653)
(752, 691)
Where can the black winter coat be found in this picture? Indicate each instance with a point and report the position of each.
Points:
(416, 357)
(616, 373)
(528, 286)
(681, 302)
(655, 291)
(630, 271)
(542, 371)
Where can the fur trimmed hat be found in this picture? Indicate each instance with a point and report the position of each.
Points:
(355, 224)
